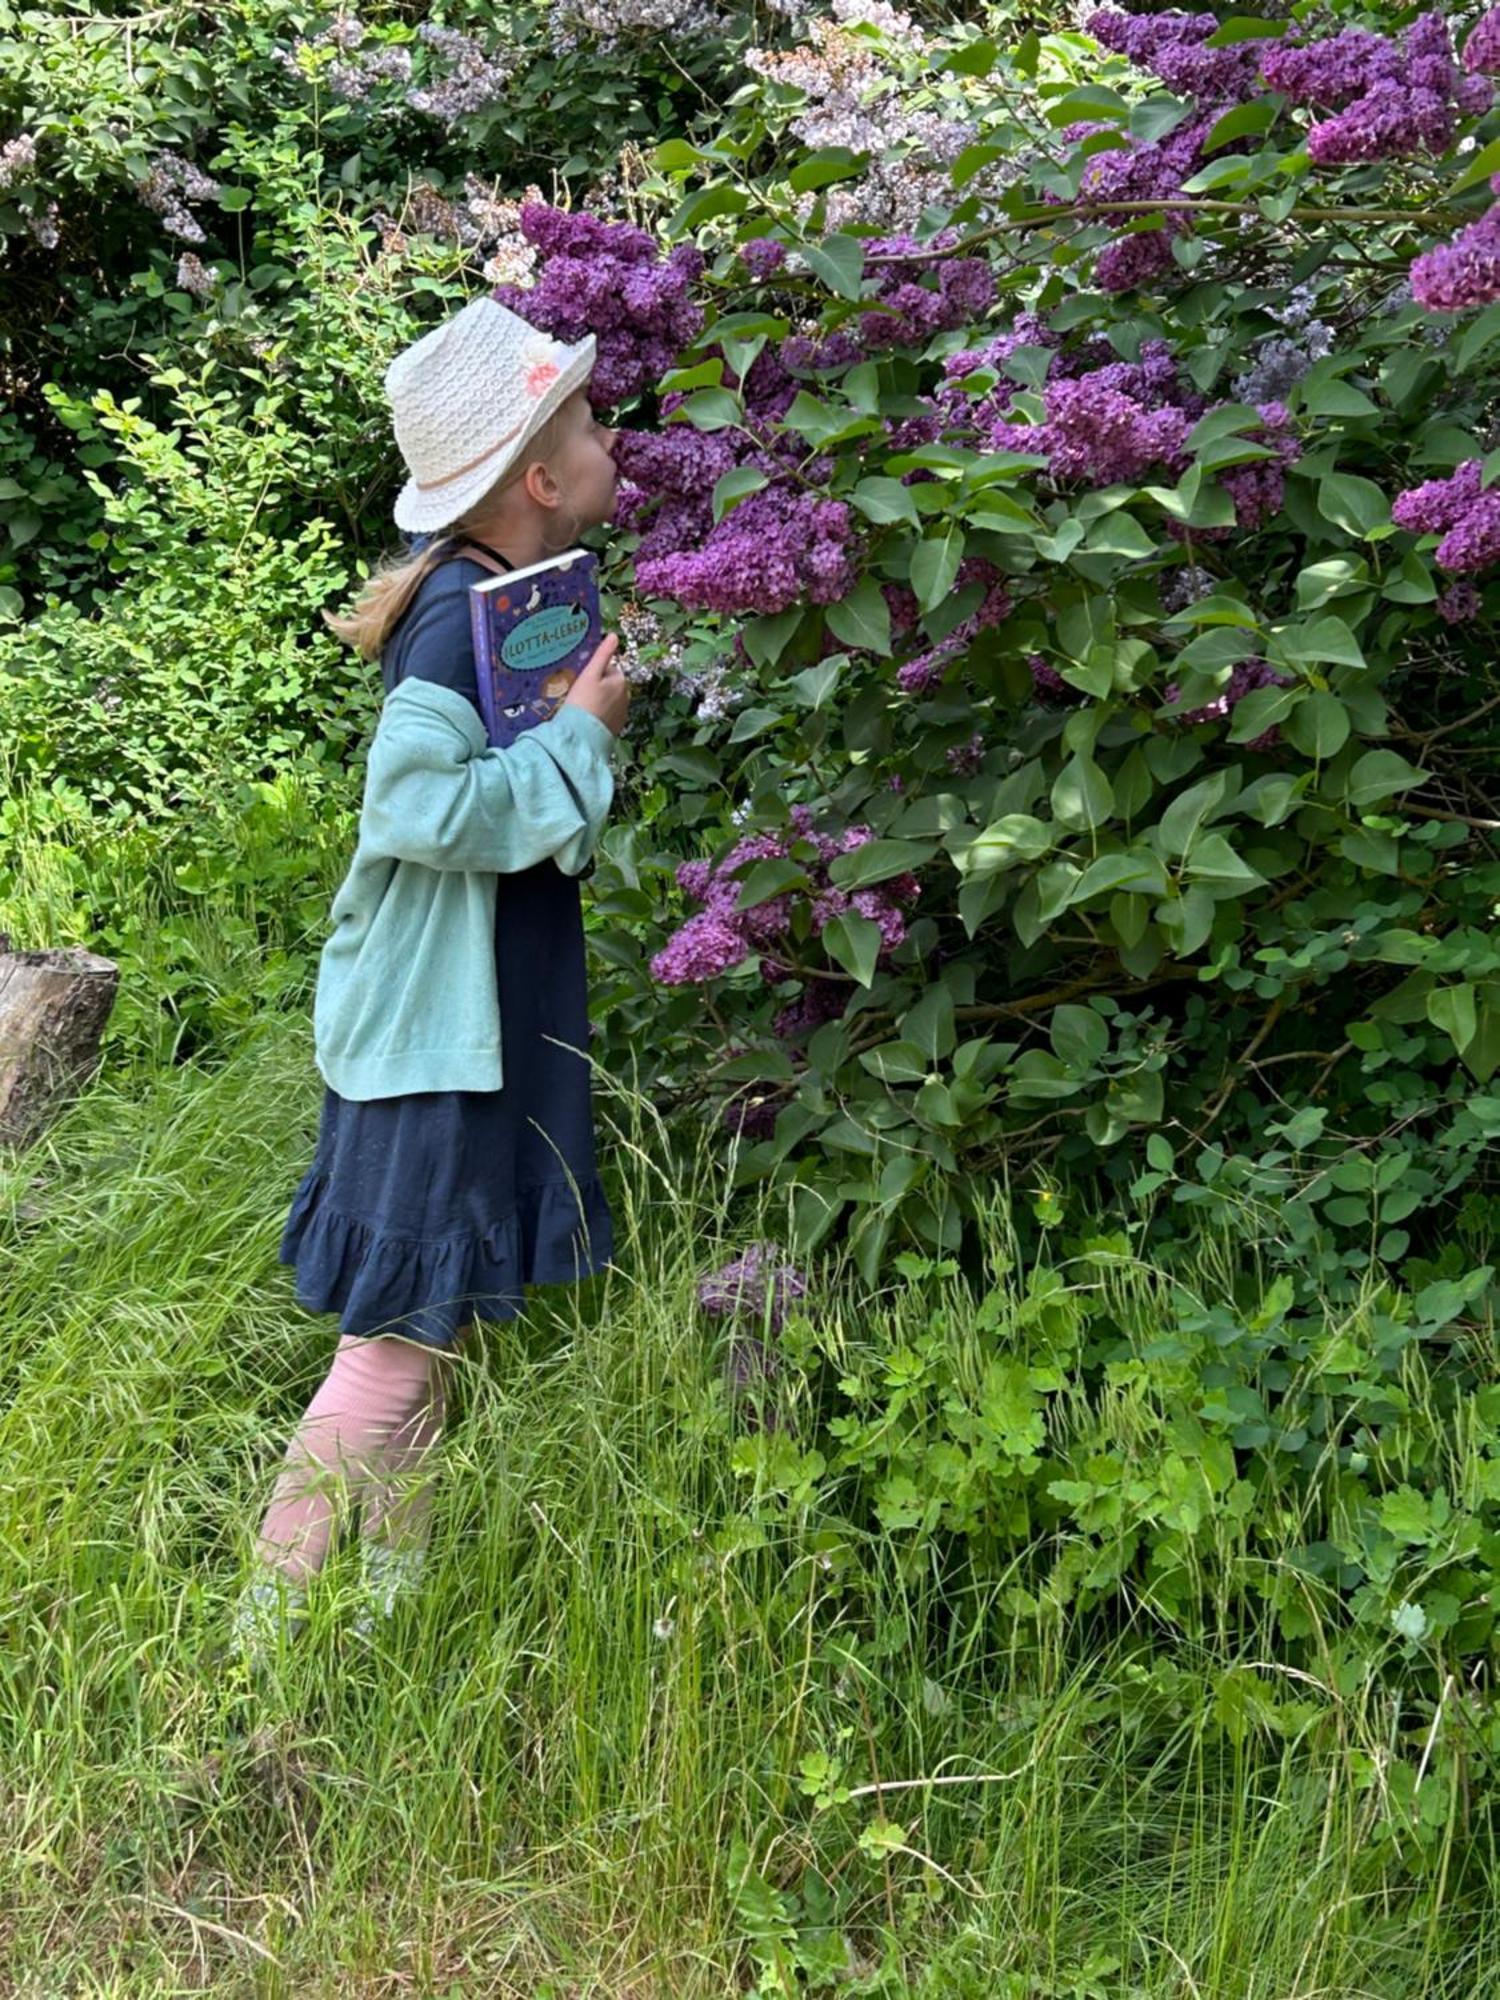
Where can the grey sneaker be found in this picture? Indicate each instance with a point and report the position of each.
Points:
(390, 1574)
(271, 1608)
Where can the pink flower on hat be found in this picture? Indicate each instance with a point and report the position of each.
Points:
(543, 370)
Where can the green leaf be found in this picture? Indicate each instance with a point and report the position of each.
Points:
(1354, 504)
(1452, 1009)
(1319, 725)
(1254, 117)
(704, 205)
(1005, 842)
(1082, 797)
(934, 565)
(1476, 338)
(815, 684)
(1120, 534)
(976, 58)
(1213, 860)
(1078, 1035)
(828, 164)
(862, 619)
(884, 500)
(766, 638)
(1480, 167)
(895, 1062)
(839, 261)
(878, 861)
(1335, 576)
(233, 199)
(768, 878)
(854, 943)
(710, 409)
(1178, 827)
(1322, 394)
(930, 1023)
(1378, 775)
(735, 485)
(675, 155)
(1244, 28)
(1325, 641)
(1139, 872)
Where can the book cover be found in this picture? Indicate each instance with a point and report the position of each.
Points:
(535, 630)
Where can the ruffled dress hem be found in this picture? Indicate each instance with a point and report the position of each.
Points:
(425, 1288)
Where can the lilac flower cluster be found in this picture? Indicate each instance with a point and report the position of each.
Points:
(1246, 677)
(17, 161)
(1170, 46)
(750, 1118)
(778, 548)
(355, 70)
(924, 671)
(1258, 489)
(1456, 508)
(1047, 683)
(966, 759)
(913, 311)
(1459, 603)
(1098, 433)
(607, 24)
(1140, 171)
(1281, 361)
(1482, 49)
(721, 935)
(757, 1283)
(609, 279)
(475, 80)
(167, 189)
(1452, 277)
(195, 278)
(1388, 102)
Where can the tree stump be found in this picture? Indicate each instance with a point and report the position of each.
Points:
(53, 1009)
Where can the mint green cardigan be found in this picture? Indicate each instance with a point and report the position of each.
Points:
(406, 996)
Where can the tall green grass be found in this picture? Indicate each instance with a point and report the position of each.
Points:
(577, 1764)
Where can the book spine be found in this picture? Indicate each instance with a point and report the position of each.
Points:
(484, 663)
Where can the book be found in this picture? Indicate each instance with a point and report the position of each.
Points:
(535, 630)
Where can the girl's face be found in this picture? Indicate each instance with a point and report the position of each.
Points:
(584, 463)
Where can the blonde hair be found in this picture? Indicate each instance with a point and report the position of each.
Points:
(391, 586)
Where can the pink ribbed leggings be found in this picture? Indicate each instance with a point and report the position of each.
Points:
(367, 1435)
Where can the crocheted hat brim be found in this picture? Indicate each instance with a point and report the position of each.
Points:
(418, 512)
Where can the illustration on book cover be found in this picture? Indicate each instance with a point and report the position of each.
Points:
(534, 631)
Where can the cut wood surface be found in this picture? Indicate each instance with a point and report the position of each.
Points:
(54, 1006)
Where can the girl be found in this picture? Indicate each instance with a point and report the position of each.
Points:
(455, 1161)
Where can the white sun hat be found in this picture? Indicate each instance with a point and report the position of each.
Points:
(466, 398)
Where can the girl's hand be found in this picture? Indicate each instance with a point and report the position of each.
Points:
(601, 688)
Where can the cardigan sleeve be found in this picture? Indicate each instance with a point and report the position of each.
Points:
(436, 794)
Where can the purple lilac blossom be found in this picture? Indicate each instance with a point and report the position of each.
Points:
(722, 935)
(1440, 504)
(1467, 518)
(609, 279)
(1482, 49)
(964, 289)
(1097, 433)
(1459, 603)
(1047, 681)
(1170, 46)
(1454, 276)
(757, 1282)
(1388, 102)
(763, 255)
(1247, 676)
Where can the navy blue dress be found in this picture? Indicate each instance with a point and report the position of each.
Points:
(422, 1212)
